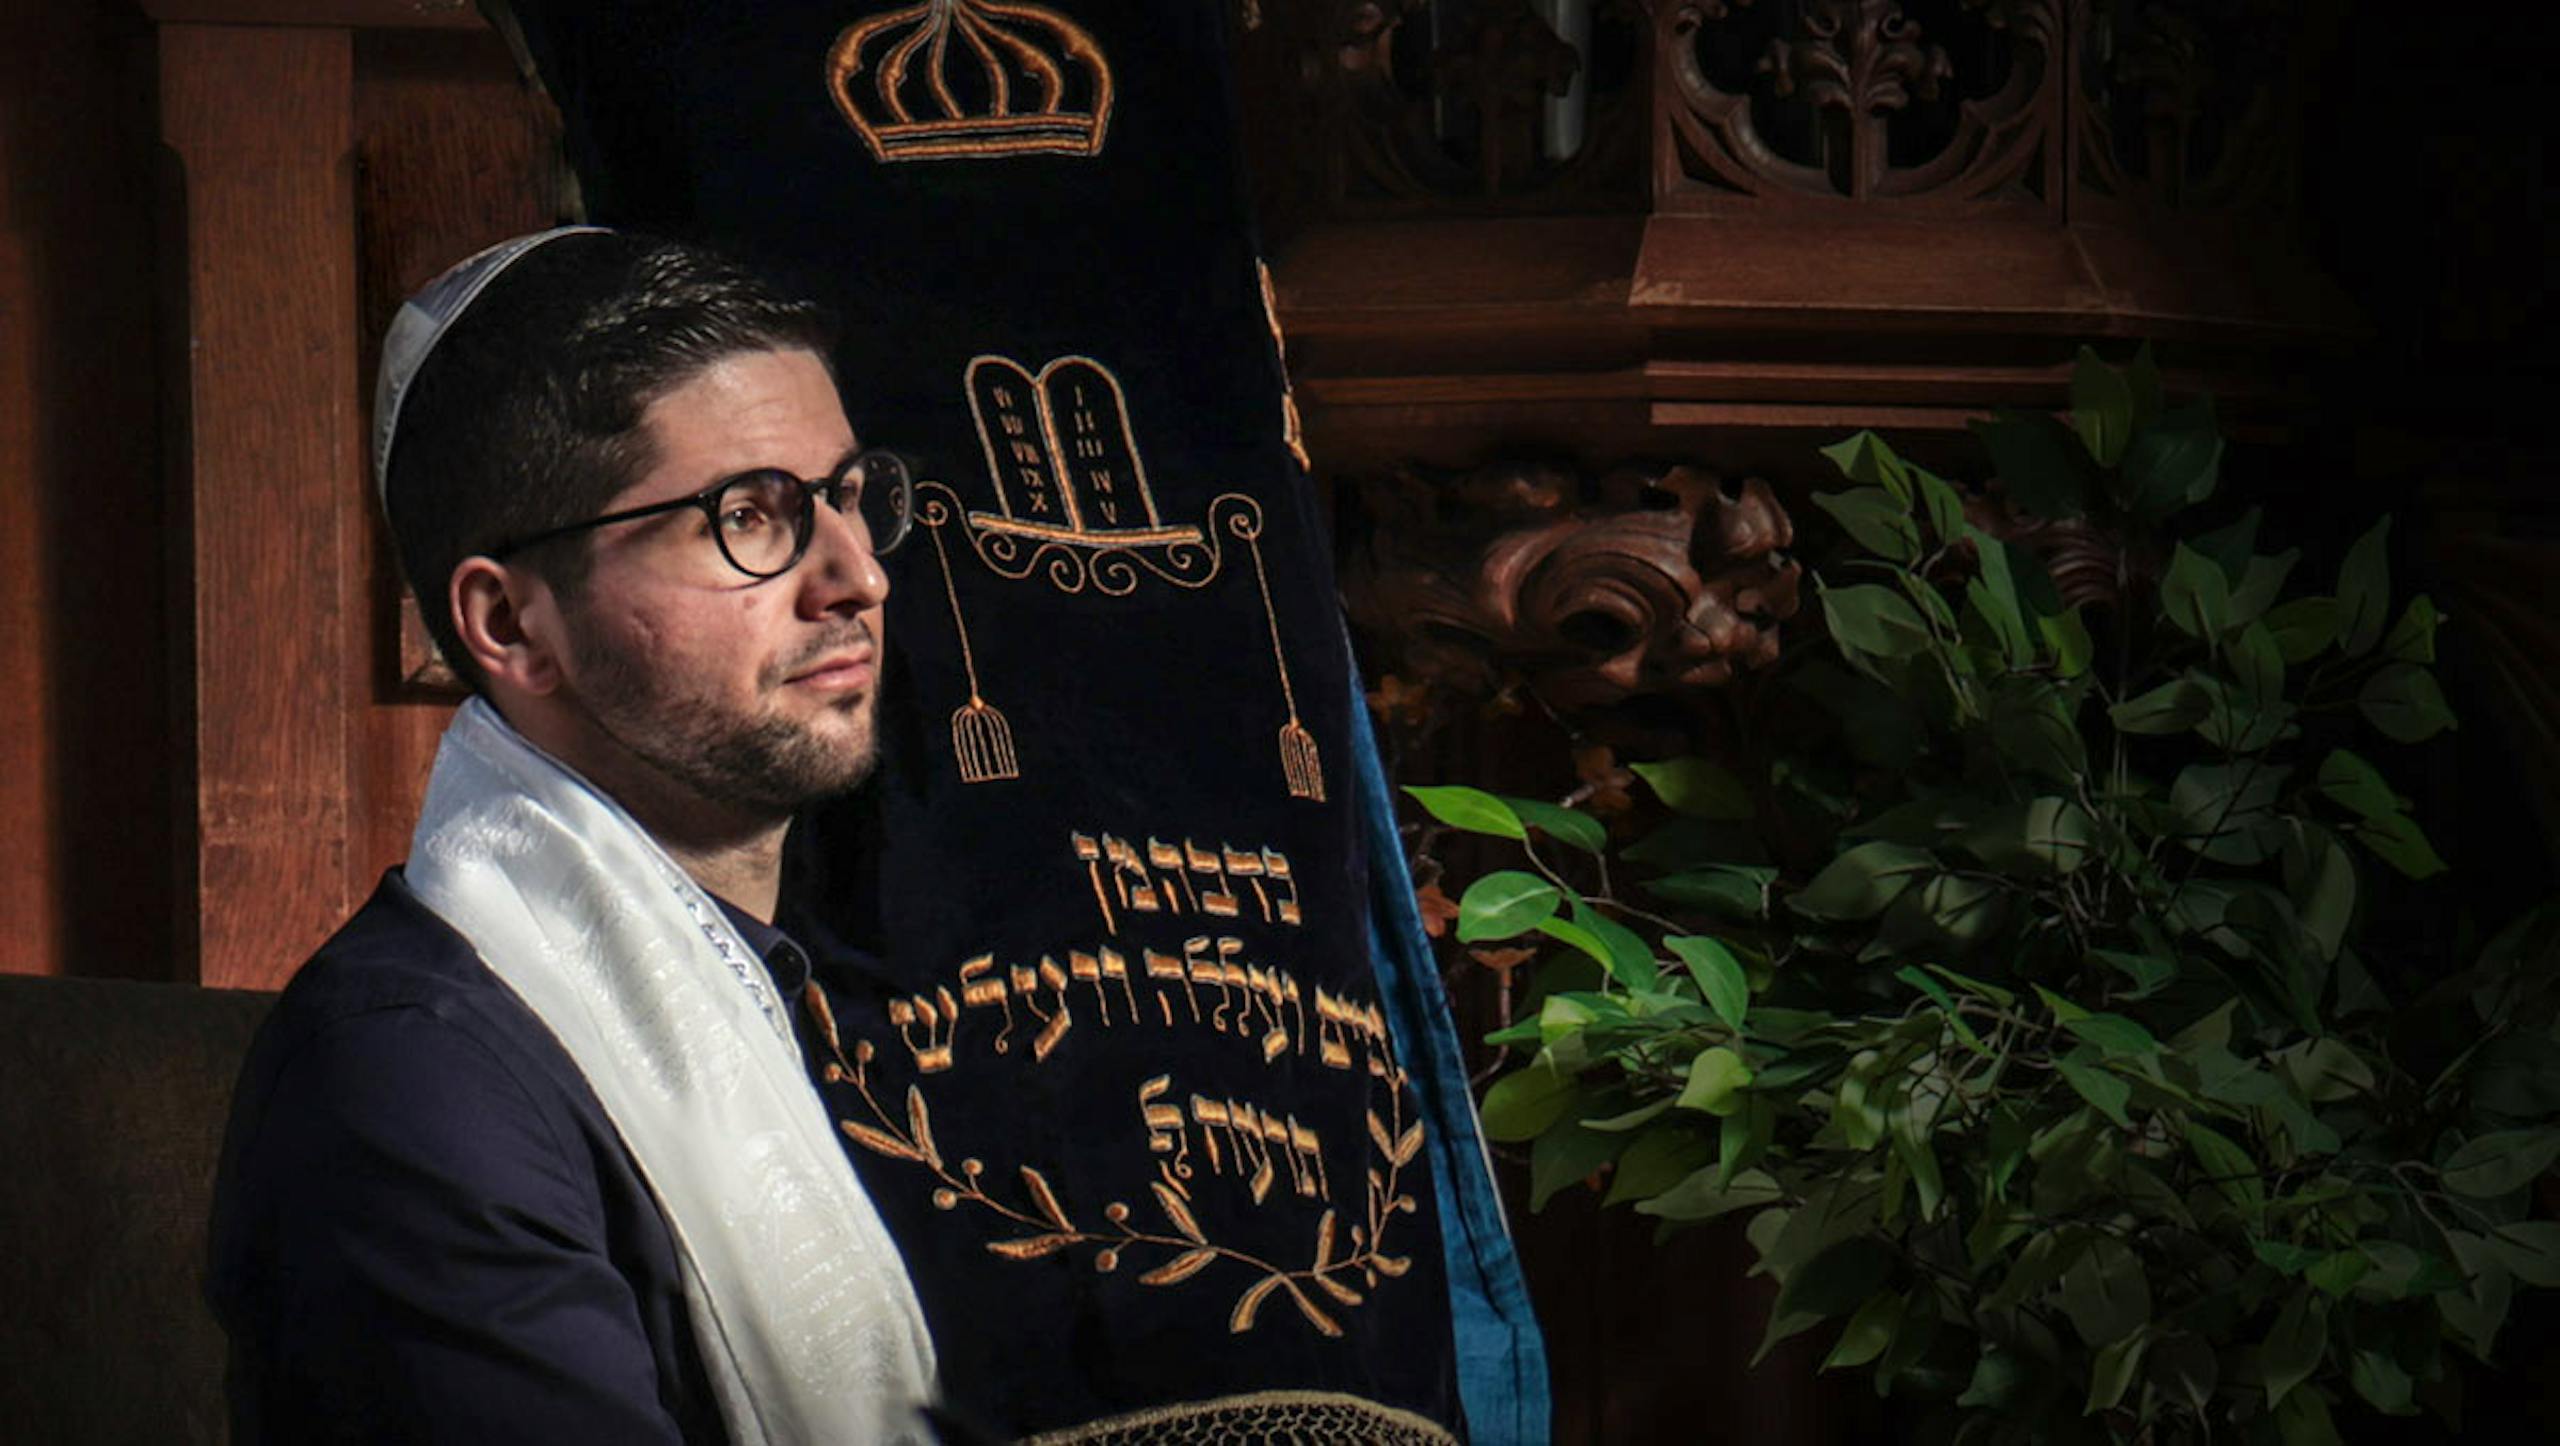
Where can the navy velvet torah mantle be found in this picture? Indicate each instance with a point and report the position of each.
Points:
(1118, 1077)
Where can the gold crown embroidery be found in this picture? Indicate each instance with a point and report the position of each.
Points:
(1021, 80)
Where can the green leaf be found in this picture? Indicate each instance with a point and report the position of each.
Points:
(1470, 809)
(2080, 1070)
(1868, 1332)
(1952, 907)
(2115, 1036)
(1873, 620)
(2101, 408)
(1566, 826)
(1503, 904)
(1629, 961)
(2035, 727)
(2337, 1272)
(1589, 943)
(2379, 1379)
(1715, 1077)
(2357, 786)
(2196, 596)
(2112, 1374)
(2039, 1265)
(2476, 1314)
(1865, 457)
(2501, 1161)
(1700, 789)
(1946, 1005)
(1875, 521)
(2401, 1272)
(2000, 1377)
(1995, 596)
(2294, 1349)
(2040, 463)
(2042, 836)
(2229, 809)
(1564, 1014)
(2321, 881)
(2303, 627)
(1523, 1103)
(2397, 841)
(1628, 1120)
(2324, 1071)
(1731, 890)
(2067, 637)
(2261, 579)
(2303, 1419)
(1911, 1148)
(1993, 992)
(2142, 379)
(2530, 1250)
(2285, 1256)
(2106, 1293)
(2257, 665)
(2364, 591)
(2228, 1167)
(2413, 638)
(1862, 881)
(1742, 1140)
(1568, 1156)
(1833, 1282)
(1659, 1159)
(2175, 461)
(2173, 707)
(2403, 703)
(2149, 972)
(1699, 1197)
(1720, 977)
(1944, 505)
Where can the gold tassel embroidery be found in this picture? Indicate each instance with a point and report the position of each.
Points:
(980, 737)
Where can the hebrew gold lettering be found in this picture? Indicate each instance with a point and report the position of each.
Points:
(1275, 866)
(981, 987)
(1217, 899)
(1168, 858)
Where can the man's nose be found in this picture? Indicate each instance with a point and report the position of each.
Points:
(840, 570)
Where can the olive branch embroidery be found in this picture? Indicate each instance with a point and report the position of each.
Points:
(1053, 1229)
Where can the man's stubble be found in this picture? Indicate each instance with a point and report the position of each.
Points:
(767, 761)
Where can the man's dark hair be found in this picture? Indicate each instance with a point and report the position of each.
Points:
(526, 414)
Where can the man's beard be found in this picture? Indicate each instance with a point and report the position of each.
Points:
(766, 762)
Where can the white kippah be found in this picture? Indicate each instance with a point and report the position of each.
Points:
(423, 321)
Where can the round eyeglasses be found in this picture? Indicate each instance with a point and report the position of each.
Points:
(763, 520)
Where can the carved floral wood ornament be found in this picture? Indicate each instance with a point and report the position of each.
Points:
(1664, 584)
(1976, 108)
(1864, 70)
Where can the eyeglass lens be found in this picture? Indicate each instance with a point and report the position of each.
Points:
(760, 517)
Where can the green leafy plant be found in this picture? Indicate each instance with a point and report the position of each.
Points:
(2006, 974)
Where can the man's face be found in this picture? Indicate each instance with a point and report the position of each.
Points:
(746, 693)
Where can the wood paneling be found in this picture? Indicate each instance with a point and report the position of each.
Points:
(85, 766)
(274, 474)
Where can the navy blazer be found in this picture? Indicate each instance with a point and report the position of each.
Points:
(426, 1228)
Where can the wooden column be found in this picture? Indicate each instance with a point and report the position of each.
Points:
(260, 120)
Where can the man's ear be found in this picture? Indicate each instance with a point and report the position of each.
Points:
(508, 620)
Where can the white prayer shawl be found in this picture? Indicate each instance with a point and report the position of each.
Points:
(807, 1322)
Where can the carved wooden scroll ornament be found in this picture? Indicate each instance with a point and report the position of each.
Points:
(1655, 584)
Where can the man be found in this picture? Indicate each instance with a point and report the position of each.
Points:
(527, 1151)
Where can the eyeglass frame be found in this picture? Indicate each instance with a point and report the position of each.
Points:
(804, 523)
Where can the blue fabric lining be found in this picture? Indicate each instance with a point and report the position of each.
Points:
(1502, 1359)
